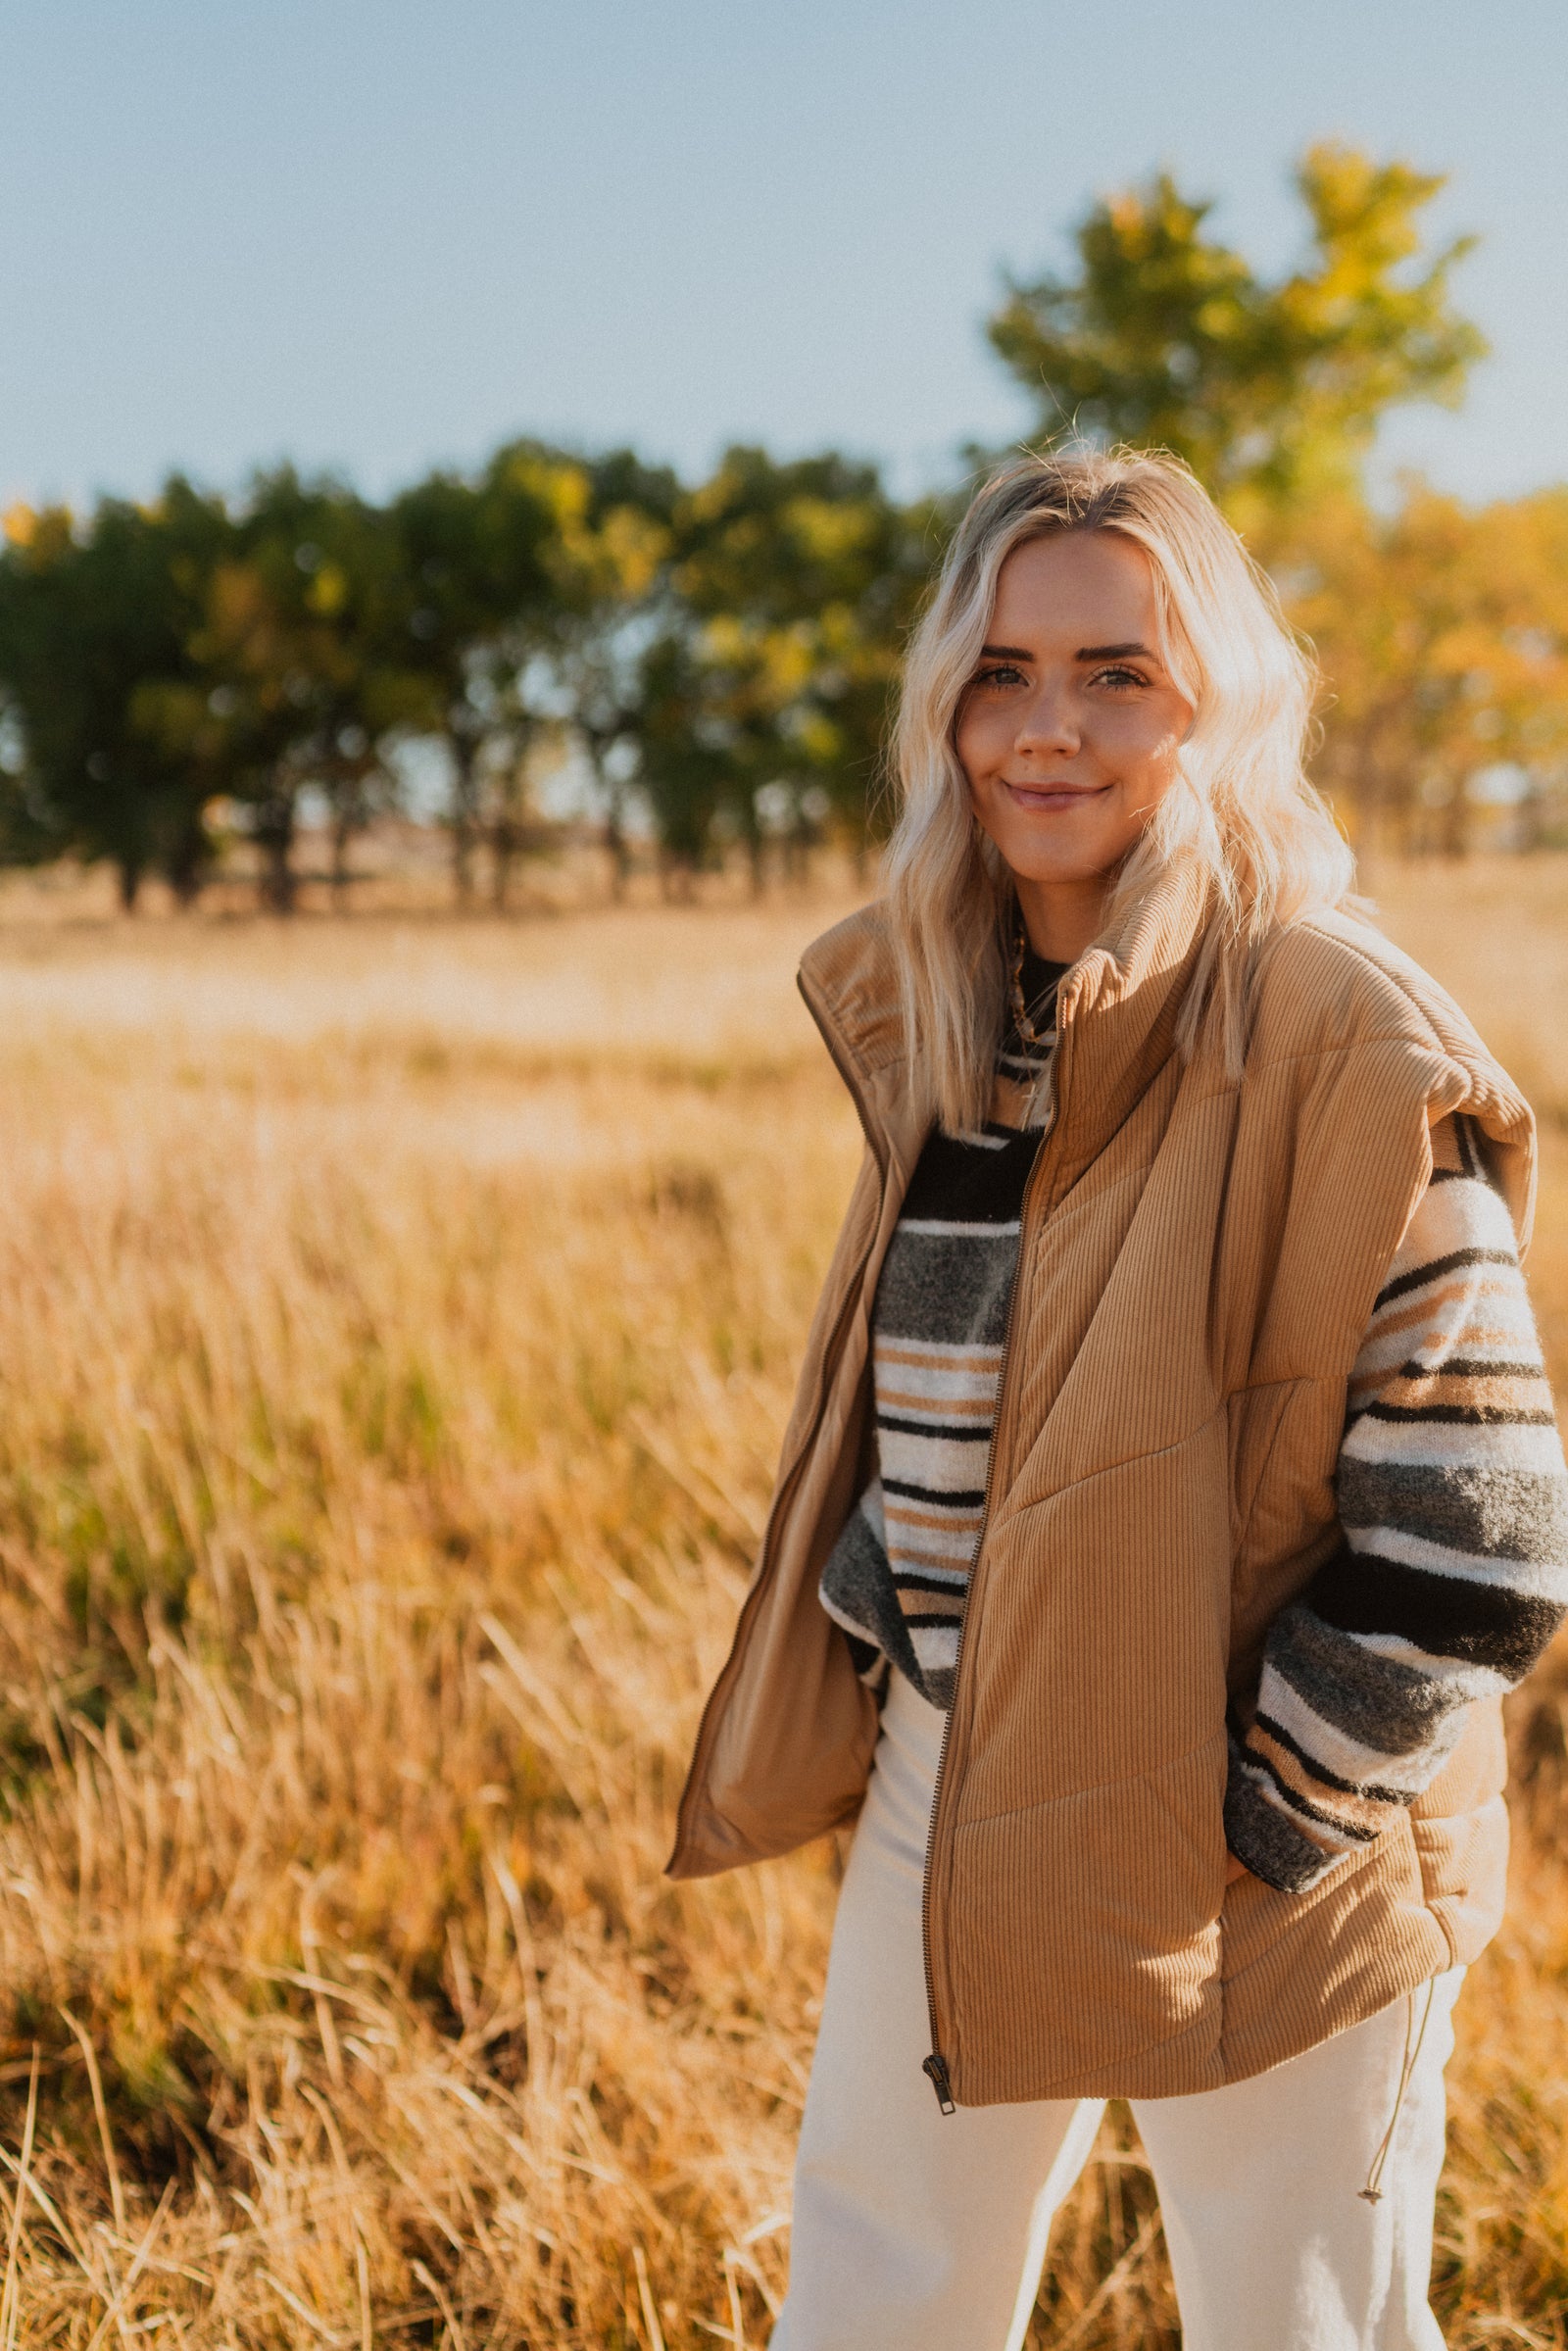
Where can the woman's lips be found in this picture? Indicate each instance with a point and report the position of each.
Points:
(1053, 794)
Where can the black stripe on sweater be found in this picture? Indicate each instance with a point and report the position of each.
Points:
(1470, 1151)
(1301, 1804)
(1448, 1616)
(1436, 1268)
(958, 1182)
(964, 1432)
(965, 1499)
(1459, 1416)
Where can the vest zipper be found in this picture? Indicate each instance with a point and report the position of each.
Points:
(934, 2066)
(937, 2067)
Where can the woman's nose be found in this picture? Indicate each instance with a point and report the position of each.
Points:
(1049, 726)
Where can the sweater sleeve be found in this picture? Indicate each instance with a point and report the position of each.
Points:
(1452, 1574)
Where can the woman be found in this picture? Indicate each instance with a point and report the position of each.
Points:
(1172, 1489)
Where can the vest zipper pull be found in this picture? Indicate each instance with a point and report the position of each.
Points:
(936, 2066)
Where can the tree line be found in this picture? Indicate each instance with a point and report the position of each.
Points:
(716, 659)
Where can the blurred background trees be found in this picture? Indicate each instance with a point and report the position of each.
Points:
(99, 622)
(562, 644)
(1271, 392)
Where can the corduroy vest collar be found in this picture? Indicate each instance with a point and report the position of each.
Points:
(1117, 1017)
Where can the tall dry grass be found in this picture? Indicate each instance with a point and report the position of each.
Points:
(396, 1324)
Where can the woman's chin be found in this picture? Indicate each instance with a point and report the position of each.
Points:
(1061, 864)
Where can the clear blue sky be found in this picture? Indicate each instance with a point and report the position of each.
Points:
(378, 234)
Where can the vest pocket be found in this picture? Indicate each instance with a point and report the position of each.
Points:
(1084, 1931)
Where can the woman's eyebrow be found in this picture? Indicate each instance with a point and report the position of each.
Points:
(1085, 652)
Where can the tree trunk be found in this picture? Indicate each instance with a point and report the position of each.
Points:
(619, 862)
(129, 872)
(503, 856)
(465, 819)
(799, 842)
(279, 885)
(275, 836)
(190, 855)
(343, 831)
(617, 845)
(1456, 821)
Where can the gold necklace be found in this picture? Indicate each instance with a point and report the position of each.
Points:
(1021, 1011)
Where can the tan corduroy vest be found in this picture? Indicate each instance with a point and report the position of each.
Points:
(1198, 1264)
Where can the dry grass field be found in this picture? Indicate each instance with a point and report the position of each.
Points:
(397, 1320)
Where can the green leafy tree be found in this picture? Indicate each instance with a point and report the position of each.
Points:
(477, 554)
(603, 658)
(1271, 390)
(684, 759)
(799, 583)
(92, 611)
(302, 674)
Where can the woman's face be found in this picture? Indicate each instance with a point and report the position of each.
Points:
(1069, 731)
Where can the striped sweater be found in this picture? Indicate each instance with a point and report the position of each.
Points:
(1452, 1574)
(1453, 1495)
(897, 1577)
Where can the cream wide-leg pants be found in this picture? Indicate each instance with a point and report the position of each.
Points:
(916, 2230)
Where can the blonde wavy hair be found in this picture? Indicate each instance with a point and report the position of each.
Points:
(1240, 812)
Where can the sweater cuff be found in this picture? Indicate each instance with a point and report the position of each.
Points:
(1264, 1838)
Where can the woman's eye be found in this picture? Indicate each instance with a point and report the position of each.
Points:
(1005, 673)
(1119, 679)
